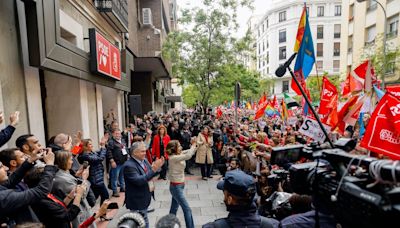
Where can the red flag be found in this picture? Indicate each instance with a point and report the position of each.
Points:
(344, 111)
(332, 118)
(352, 116)
(219, 112)
(383, 131)
(262, 104)
(329, 91)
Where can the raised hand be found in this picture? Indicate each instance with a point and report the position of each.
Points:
(35, 155)
(157, 164)
(49, 157)
(14, 118)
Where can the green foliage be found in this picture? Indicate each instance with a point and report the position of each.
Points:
(190, 96)
(204, 57)
(376, 54)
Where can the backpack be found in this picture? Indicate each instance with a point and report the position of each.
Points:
(223, 223)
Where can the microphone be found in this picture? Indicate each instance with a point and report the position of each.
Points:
(131, 220)
(282, 68)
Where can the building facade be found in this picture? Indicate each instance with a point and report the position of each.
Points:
(363, 31)
(276, 35)
(152, 75)
(71, 65)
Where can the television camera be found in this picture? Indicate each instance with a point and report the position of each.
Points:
(359, 191)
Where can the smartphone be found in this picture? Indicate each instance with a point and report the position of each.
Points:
(113, 205)
(85, 164)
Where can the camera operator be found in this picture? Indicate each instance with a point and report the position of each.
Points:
(239, 191)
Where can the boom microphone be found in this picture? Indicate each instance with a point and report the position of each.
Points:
(282, 68)
(131, 220)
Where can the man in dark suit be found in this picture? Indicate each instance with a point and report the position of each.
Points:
(137, 173)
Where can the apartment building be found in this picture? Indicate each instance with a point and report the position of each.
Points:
(363, 30)
(276, 35)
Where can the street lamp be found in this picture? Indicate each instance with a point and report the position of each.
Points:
(384, 40)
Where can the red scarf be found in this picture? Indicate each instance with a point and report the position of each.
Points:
(206, 137)
(53, 198)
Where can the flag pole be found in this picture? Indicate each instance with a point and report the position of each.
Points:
(310, 106)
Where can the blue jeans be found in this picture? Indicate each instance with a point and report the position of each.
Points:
(178, 199)
(144, 214)
(116, 175)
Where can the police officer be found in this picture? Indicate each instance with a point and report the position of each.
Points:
(239, 191)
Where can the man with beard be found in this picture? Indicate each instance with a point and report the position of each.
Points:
(239, 191)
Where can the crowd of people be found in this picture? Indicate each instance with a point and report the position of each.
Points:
(58, 185)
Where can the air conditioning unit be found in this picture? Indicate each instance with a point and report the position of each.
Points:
(147, 18)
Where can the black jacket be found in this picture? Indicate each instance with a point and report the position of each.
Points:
(52, 214)
(14, 205)
(96, 169)
(114, 151)
(6, 134)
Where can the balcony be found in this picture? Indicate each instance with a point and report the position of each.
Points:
(115, 12)
(369, 43)
(336, 52)
(392, 34)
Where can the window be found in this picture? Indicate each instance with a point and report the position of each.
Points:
(350, 44)
(338, 10)
(371, 5)
(285, 86)
(336, 49)
(320, 49)
(262, 27)
(263, 46)
(393, 25)
(351, 12)
(320, 11)
(267, 70)
(259, 32)
(263, 63)
(259, 48)
(370, 34)
(337, 31)
(390, 67)
(267, 23)
(267, 57)
(282, 53)
(320, 32)
(320, 65)
(282, 16)
(282, 36)
(336, 65)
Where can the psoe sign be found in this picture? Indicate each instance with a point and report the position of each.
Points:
(105, 58)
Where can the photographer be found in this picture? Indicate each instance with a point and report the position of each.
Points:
(14, 205)
(239, 191)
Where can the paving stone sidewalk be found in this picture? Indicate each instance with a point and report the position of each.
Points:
(203, 197)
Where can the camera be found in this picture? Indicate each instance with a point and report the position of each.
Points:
(276, 177)
(368, 197)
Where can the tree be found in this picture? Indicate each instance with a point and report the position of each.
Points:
(205, 56)
(375, 53)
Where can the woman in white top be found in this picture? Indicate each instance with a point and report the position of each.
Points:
(176, 176)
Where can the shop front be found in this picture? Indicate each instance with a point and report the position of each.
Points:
(83, 67)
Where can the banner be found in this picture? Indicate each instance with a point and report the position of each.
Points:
(383, 131)
(312, 129)
(292, 120)
(394, 89)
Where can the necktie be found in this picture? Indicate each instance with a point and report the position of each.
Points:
(145, 167)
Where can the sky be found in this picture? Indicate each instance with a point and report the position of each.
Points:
(260, 7)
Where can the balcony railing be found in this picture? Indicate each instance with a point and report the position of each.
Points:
(336, 35)
(391, 34)
(336, 52)
(116, 12)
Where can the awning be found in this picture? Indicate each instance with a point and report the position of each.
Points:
(156, 65)
(173, 98)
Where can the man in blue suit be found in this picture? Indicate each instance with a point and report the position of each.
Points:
(137, 173)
